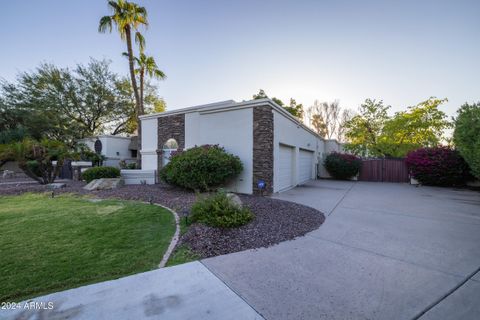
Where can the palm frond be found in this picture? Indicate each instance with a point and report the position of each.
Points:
(140, 40)
(105, 24)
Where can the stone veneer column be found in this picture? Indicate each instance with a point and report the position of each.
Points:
(263, 148)
(170, 127)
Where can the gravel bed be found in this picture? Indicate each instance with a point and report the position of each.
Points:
(275, 220)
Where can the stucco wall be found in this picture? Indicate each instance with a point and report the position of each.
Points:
(110, 146)
(149, 144)
(232, 130)
(292, 134)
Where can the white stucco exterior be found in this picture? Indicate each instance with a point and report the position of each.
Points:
(232, 130)
(149, 144)
(230, 125)
(114, 148)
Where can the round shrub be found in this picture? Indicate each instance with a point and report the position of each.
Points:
(100, 172)
(218, 210)
(342, 166)
(440, 166)
(201, 168)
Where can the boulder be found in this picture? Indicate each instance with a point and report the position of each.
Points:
(104, 184)
(8, 174)
(235, 199)
(56, 185)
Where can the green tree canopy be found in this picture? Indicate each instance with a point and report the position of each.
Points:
(374, 133)
(294, 108)
(467, 135)
(67, 105)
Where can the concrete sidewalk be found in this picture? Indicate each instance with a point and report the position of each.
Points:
(188, 291)
(386, 251)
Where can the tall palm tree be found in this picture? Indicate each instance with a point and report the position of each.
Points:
(128, 17)
(147, 67)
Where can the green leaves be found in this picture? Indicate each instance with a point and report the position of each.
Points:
(467, 135)
(373, 133)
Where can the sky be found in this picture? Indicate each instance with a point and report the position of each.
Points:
(401, 52)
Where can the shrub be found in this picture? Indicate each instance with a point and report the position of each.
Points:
(467, 135)
(100, 172)
(342, 165)
(440, 166)
(201, 168)
(218, 210)
(35, 158)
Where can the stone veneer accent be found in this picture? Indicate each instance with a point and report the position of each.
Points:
(170, 127)
(263, 148)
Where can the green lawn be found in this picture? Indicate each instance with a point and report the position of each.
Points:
(48, 245)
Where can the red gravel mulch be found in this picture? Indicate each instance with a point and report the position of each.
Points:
(275, 220)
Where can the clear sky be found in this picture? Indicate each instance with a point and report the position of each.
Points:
(400, 51)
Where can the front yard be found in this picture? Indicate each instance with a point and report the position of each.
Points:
(52, 244)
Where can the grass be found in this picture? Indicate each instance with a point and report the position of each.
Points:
(182, 253)
(48, 245)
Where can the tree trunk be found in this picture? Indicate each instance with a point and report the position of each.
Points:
(138, 103)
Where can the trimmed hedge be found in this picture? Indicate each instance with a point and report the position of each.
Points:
(201, 168)
(342, 166)
(218, 210)
(100, 172)
(440, 166)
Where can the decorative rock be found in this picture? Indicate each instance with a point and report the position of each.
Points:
(57, 185)
(8, 174)
(104, 184)
(235, 199)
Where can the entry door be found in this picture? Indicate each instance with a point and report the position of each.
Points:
(285, 167)
(305, 166)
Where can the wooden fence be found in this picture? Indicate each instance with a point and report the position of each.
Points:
(384, 170)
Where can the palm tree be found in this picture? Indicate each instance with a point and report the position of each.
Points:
(128, 17)
(147, 67)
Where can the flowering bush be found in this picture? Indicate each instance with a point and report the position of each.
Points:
(342, 165)
(440, 166)
(201, 168)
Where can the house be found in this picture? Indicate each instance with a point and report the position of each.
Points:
(276, 149)
(114, 148)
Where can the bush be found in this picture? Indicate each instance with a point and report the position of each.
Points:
(467, 135)
(100, 172)
(342, 165)
(218, 210)
(201, 168)
(440, 166)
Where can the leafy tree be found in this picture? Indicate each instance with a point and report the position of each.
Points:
(467, 135)
(328, 119)
(374, 133)
(293, 108)
(35, 158)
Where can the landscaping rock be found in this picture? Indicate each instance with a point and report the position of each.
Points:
(235, 199)
(104, 184)
(57, 185)
(7, 174)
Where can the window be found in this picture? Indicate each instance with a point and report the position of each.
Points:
(171, 144)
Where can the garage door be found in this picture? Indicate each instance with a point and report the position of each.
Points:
(305, 165)
(285, 168)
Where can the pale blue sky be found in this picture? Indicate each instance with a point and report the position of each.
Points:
(400, 51)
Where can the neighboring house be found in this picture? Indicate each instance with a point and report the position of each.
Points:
(114, 148)
(273, 145)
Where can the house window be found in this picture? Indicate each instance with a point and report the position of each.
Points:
(134, 153)
(168, 147)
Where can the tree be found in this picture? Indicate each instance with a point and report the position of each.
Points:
(293, 108)
(35, 158)
(374, 133)
(328, 119)
(128, 17)
(467, 135)
(61, 104)
(147, 67)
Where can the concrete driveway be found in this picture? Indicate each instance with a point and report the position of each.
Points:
(386, 251)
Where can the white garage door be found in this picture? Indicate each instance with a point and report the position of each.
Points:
(305, 166)
(285, 168)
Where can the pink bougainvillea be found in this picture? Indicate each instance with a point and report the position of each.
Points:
(440, 166)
